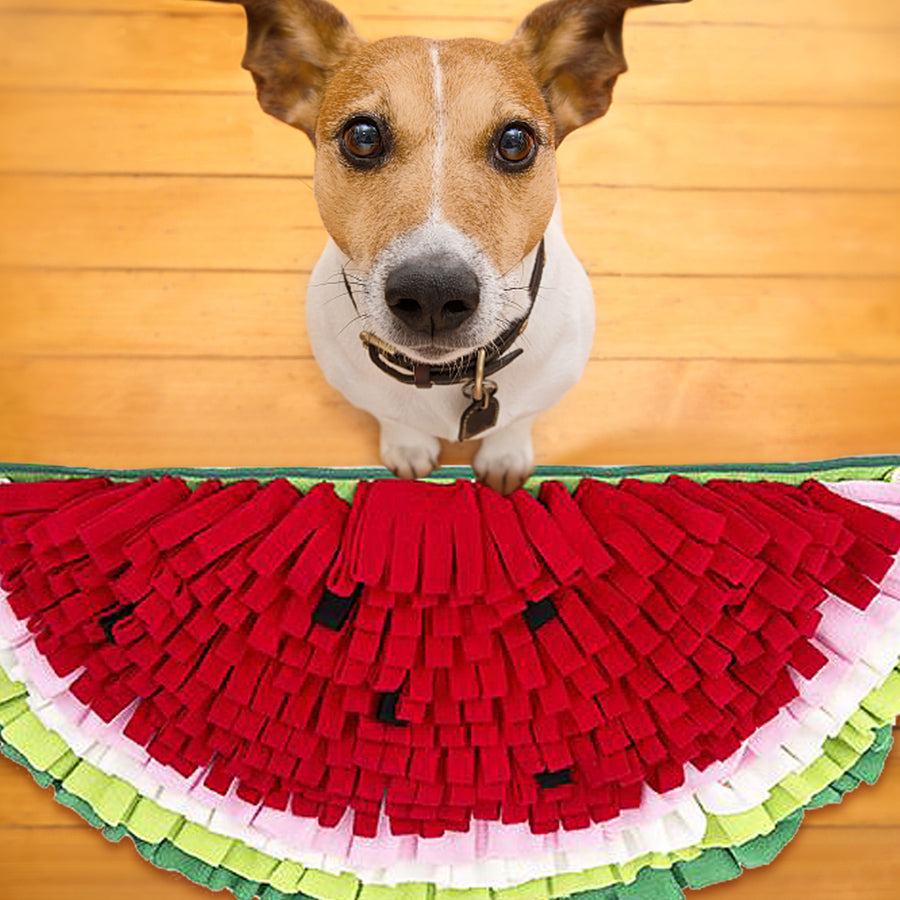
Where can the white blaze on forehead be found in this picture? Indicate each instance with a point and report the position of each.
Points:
(439, 132)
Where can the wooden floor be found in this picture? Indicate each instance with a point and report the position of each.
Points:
(738, 210)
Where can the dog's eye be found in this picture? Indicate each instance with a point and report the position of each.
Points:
(516, 146)
(362, 141)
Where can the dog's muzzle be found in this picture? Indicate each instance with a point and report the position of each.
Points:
(470, 370)
(463, 369)
(432, 293)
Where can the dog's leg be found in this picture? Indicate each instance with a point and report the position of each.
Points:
(408, 452)
(506, 457)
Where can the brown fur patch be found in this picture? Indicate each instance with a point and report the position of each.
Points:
(486, 86)
(574, 48)
(364, 210)
(293, 48)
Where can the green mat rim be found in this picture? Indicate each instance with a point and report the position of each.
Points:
(713, 865)
(826, 466)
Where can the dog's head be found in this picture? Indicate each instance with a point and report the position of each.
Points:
(435, 167)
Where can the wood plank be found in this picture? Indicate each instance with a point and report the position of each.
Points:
(219, 223)
(216, 135)
(747, 318)
(645, 231)
(693, 63)
(153, 314)
(708, 411)
(157, 222)
(202, 134)
(78, 864)
(735, 146)
(825, 863)
(71, 313)
(146, 412)
(870, 805)
(810, 13)
(663, 145)
(26, 803)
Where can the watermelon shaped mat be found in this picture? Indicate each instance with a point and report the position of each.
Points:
(333, 684)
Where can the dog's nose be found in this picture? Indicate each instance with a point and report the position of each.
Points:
(432, 293)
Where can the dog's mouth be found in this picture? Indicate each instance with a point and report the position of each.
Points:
(434, 352)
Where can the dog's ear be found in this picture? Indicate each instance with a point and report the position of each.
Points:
(574, 49)
(293, 48)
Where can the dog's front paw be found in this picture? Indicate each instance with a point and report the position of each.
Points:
(408, 453)
(505, 459)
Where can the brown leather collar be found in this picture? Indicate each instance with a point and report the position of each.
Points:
(458, 371)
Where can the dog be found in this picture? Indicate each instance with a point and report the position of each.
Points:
(447, 302)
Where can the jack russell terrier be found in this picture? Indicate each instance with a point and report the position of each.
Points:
(447, 302)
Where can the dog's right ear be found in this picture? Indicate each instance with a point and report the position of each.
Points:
(293, 48)
(574, 49)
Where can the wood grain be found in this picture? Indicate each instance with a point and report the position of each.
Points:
(777, 147)
(808, 13)
(127, 313)
(194, 222)
(738, 210)
(698, 63)
(176, 412)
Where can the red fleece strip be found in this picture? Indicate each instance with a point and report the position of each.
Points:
(526, 659)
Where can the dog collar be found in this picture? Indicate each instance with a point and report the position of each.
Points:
(482, 362)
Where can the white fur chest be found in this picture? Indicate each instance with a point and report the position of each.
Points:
(556, 344)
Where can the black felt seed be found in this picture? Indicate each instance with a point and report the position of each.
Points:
(106, 622)
(332, 611)
(554, 779)
(539, 613)
(387, 709)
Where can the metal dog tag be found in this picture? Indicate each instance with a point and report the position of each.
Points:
(484, 409)
(479, 415)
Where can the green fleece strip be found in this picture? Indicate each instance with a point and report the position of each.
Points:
(856, 754)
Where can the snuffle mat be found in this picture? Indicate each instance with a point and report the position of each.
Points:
(614, 684)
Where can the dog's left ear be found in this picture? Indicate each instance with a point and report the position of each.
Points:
(574, 49)
(293, 48)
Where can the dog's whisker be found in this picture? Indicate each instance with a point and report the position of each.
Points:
(355, 320)
(348, 287)
(331, 282)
